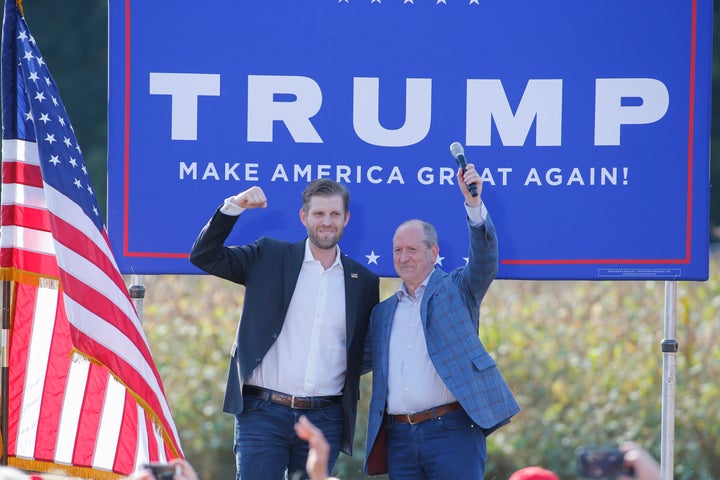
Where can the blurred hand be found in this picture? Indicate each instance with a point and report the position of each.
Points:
(644, 465)
(317, 461)
(186, 470)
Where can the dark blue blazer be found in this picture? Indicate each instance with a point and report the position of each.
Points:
(269, 269)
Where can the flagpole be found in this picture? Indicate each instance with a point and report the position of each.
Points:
(5, 381)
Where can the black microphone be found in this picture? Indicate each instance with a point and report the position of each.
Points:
(457, 151)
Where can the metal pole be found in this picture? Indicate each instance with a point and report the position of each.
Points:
(669, 349)
(137, 294)
(5, 382)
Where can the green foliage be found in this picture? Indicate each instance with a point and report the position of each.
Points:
(583, 359)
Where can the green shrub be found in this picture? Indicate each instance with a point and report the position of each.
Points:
(583, 359)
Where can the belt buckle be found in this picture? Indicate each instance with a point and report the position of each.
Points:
(409, 419)
(292, 401)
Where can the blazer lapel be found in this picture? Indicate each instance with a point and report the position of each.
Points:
(388, 314)
(430, 290)
(352, 298)
(291, 271)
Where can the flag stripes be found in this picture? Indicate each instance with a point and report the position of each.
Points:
(84, 389)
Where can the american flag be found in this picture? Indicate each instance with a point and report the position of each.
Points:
(84, 393)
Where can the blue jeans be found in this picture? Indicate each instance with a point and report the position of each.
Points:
(450, 447)
(266, 446)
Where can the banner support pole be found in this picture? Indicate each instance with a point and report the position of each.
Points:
(137, 294)
(669, 349)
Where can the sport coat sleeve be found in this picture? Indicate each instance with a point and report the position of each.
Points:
(475, 278)
(210, 254)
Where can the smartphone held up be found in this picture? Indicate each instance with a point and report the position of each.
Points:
(601, 462)
(162, 471)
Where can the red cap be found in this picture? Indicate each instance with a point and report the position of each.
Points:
(533, 473)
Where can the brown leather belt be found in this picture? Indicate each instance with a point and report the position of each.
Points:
(413, 418)
(290, 400)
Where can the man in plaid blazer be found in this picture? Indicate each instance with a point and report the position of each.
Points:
(436, 391)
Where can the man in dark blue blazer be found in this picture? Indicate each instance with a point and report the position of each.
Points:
(436, 392)
(299, 343)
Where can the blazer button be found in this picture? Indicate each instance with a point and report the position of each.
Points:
(257, 360)
(275, 335)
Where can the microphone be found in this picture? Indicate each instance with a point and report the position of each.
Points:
(457, 151)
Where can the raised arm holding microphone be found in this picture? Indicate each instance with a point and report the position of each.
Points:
(436, 391)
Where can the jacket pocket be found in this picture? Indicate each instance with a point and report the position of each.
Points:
(483, 362)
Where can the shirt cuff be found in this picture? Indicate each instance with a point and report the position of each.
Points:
(476, 215)
(230, 208)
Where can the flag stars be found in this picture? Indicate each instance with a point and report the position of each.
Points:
(41, 62)
(40, 96)
(67, 142)
(50, 138)
(77, 147)
(34, 77)
(77, 183)
(61, 120)
(84, 170)
(54, 100)
(439, 260)
(22, 36)
(372, 258)
(73, 162)
(28, 116)
(476, 2)
(375, 1)
(47, 81)
(441, 1)
(90, 190)
(95, 211)
(28, 56)
(408, 1)
(45, 118)
(54, 159)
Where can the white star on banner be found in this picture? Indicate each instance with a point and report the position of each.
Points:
(467, 259)
(441, 1)
(341, 1)
(372, 258)
(375, 1)
(408, 1)
(476, 2)
(439, 260)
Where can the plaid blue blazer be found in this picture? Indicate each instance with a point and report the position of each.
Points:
(450, 312)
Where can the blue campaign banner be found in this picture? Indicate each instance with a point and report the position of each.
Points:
(590, 123)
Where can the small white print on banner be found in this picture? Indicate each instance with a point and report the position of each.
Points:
(639, 272)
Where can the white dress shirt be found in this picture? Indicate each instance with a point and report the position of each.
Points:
(309, 357)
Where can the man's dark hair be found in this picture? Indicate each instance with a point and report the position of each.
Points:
(324, 187)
